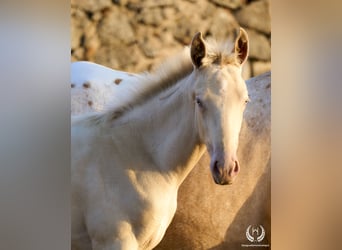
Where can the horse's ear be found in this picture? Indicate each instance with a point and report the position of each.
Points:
(241, 48)
(197, 49)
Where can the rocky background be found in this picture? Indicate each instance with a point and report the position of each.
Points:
(136, 35)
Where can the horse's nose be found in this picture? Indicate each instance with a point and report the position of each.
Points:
(224, 172)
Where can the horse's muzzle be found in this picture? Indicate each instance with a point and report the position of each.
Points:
(224, 174)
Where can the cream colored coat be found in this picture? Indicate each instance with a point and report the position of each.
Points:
(125, 199)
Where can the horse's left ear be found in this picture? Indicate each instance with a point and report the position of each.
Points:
(241, 47)
(197, 50)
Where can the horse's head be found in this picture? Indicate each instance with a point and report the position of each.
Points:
(220, 95)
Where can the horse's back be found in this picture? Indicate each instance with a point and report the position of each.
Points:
(83, 72)
(94, 85)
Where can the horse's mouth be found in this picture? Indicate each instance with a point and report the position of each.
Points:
(222, 181)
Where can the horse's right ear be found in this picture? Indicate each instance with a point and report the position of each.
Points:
(197, 49)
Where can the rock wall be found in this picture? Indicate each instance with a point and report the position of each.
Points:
(135, 36)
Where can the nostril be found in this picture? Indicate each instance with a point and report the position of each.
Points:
(234, 170)
(216, 166)
(236, 167)
(218, 170)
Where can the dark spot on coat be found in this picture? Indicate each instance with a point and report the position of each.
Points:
(117, 81)
(72, 85)
(90, 103)
(268, 86)
(86, 85)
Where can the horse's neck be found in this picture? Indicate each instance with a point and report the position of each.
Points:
(169, 133)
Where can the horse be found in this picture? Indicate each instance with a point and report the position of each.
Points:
(247, 204)
(129, 160)
(210, 217)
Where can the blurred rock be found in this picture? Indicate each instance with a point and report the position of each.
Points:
(120, 2)
(137, 35)
(119, 56)
(83, 35)
(232, 4)
(78, 53)
(92, 44)
(115, 28)
(260, 67)
(259, 46)
(209, 11)
(169, 13)
(246, 71)
(97, 16)
(256, 16)
(223, 25)
(156, 3)
(79, 23)
(184, 29)
(91, 5)
(150, 46)
(150, 16)
(138, 5)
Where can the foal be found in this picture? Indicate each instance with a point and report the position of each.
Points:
(129, 161)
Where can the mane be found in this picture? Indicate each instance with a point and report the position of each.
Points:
(149, 84)
(220, 53)
(168, 74)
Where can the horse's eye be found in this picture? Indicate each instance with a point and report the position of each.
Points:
(199, 102)
(247, 100)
